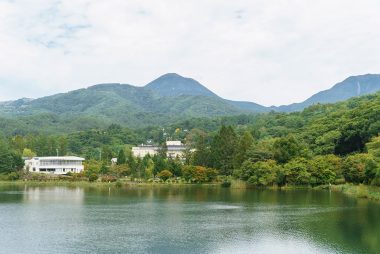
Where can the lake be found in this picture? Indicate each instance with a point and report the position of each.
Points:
(184, 219)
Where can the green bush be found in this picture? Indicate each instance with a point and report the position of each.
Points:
(93, 177)
(226, 184)
(13, 176)
(118, 184)
(359, 168)
(165, 174)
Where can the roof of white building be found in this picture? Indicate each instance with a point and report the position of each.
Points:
(174, 143)
(67, 158)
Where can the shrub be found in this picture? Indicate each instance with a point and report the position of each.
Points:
(165, 174)
(108, 178)
(13, 176)
(226, 184)
(359, 168)
(93, 177)
(211, 174)
(260, 173)
(118, 183)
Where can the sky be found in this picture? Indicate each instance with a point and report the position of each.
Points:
(271, 52)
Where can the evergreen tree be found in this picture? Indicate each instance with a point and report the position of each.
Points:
(9, 160)
(223, 150)
(6, 159)
(121, 159)
(201, 155)
(159, 164)
(104, 169)
(244, 145)
(132, 164)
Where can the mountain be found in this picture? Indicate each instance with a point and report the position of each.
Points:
(172, 84)
(248, 106)
(348, 88)
(168, 99)
(124, 104)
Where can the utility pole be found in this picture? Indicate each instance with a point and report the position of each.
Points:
(57, 151)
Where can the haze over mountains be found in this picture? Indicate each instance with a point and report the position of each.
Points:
(169, 98)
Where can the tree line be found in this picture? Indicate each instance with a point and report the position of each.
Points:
(323, 144)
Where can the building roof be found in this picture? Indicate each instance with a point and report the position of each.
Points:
(67, 158)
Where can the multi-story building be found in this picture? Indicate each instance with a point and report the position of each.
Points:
(55, 165)
(174, 149)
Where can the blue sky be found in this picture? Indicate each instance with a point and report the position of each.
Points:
(268, 51)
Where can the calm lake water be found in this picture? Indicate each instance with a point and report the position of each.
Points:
(190, 219)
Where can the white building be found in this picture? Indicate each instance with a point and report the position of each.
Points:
(55, 165)
(174, 149)
(114, 161)
(143, 150)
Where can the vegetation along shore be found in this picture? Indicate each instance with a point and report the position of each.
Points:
(333, 144)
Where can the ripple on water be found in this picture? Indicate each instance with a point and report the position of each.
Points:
(223, 207)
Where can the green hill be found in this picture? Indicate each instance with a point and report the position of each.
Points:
(169, 99)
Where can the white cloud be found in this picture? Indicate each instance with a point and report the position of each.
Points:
(267, 51)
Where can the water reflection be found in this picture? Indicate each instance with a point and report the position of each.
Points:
(38, 195)
(186, 219)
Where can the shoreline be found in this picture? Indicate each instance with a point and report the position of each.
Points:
(355, 191)
(358, 191)
(102, 184)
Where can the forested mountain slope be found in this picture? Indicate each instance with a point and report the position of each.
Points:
(164, 101)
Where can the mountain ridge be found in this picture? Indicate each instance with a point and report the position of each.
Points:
(348, 88)
(168, 98)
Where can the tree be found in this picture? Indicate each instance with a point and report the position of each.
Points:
(175, 166)
(106, 153)
(201, 155)
(262, 173)
(165, 174)
(121, 159)
(93, 177)
(359, 168)
(149, 165)
(132, 164)
(373, 148)
(104, 169)
(9, 160)
(297, 172)
(62, 146)
(159, 164)
(120, 170)
(287, 148)
(261, 151)
(325, 144)
(199, 174)
(244, 145)
(325, 169)
(28, 153)
(223, 150)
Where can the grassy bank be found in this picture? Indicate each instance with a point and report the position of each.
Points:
(358, 191)
(85, 184)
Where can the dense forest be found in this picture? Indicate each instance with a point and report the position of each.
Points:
(323, 144)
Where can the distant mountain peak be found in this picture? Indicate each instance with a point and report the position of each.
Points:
(171, 75)
(350, 87)
(173, 84)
